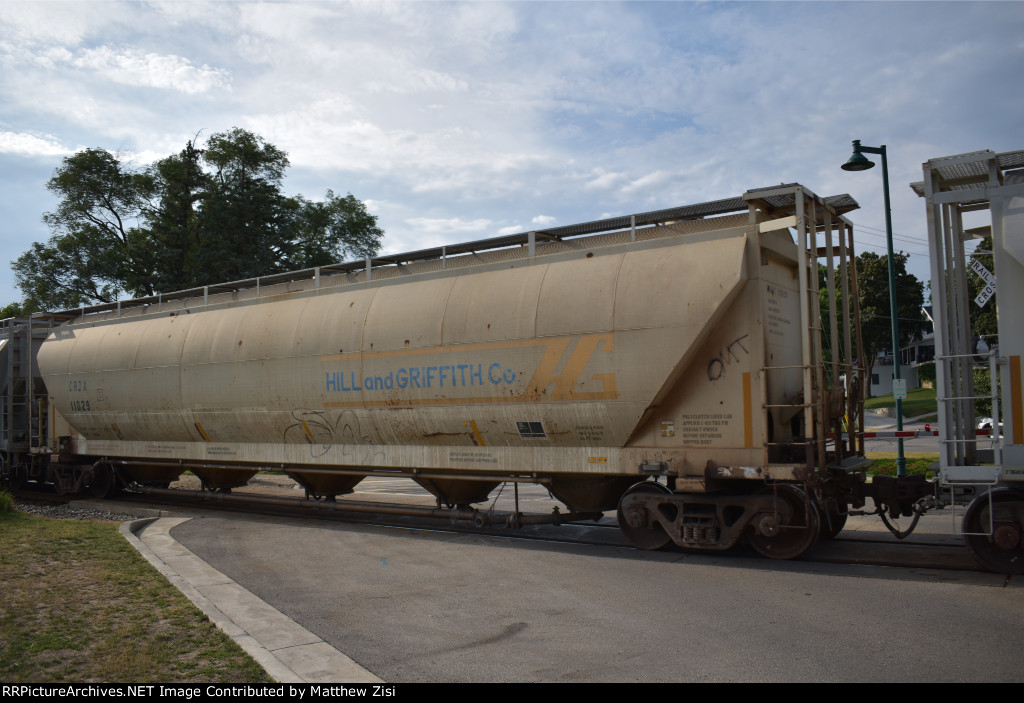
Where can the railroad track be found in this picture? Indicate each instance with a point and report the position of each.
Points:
(850, 547)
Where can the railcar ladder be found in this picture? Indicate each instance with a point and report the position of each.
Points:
(820, 380)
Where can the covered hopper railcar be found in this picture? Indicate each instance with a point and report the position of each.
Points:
(668, 365)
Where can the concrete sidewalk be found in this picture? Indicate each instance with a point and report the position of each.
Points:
(286, 650)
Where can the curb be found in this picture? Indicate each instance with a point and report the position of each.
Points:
(287, 651)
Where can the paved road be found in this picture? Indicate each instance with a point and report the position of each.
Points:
(416, 605)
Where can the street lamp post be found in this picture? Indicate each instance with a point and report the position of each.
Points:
(859, 162)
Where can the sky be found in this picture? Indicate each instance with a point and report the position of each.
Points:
(466, 120)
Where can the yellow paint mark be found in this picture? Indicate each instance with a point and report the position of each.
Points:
(306, 428)
(478, 438)
(202, 432)
(565, 382)
(597, 460)
(748, 412)
(117, 431)
(1015, 400)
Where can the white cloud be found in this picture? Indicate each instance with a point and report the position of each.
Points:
(606, 181)
(419, 81)
(544, 220)
(133, 67)
(514, 229)
(61, 22)
(25, 144)
(454, 119)
(450, 224)
(644, 183)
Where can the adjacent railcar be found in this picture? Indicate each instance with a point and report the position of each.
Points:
(668, 365)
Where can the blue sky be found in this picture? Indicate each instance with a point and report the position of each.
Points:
(458, 121)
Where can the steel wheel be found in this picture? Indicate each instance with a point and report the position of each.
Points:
(104, 483)
(831, 523)
(635, 522)
(19, 477)
(790, 530)
(1003, 550)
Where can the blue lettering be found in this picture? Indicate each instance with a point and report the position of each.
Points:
(422, 377)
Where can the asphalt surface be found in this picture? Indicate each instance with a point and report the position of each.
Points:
(336, 602)
(416, 605)
(344, 603)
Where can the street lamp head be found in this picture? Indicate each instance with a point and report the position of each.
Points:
(858, 162)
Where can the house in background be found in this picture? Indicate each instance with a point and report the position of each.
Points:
(918, 352)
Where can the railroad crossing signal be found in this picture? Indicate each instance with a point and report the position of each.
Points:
(990, 283)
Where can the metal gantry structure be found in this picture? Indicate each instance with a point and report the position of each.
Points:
(955, 187)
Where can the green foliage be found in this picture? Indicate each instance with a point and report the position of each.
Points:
(6, 501)
(926, 373)
(97, 250)
(79, 604)
(983, 387)
(199, 217)
(14, 310)
(876, 321)
(873, 297)
(338, 224)
(915, 465)
(246, 208)
(176, 230)
(919, 401)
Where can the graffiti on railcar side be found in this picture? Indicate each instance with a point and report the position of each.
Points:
(321, 431)
(733, 353)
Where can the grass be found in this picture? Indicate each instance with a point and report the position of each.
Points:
(885, 463)
(79, 604)
(920, 401)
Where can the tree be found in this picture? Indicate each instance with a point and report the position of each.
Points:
(14, 310)
(98, 250)
(876, 320)
(335, 226)
(247, 220)
(873, 296)
(176, 231)
(199, 217)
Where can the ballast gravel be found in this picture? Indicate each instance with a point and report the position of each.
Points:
(70, 511)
